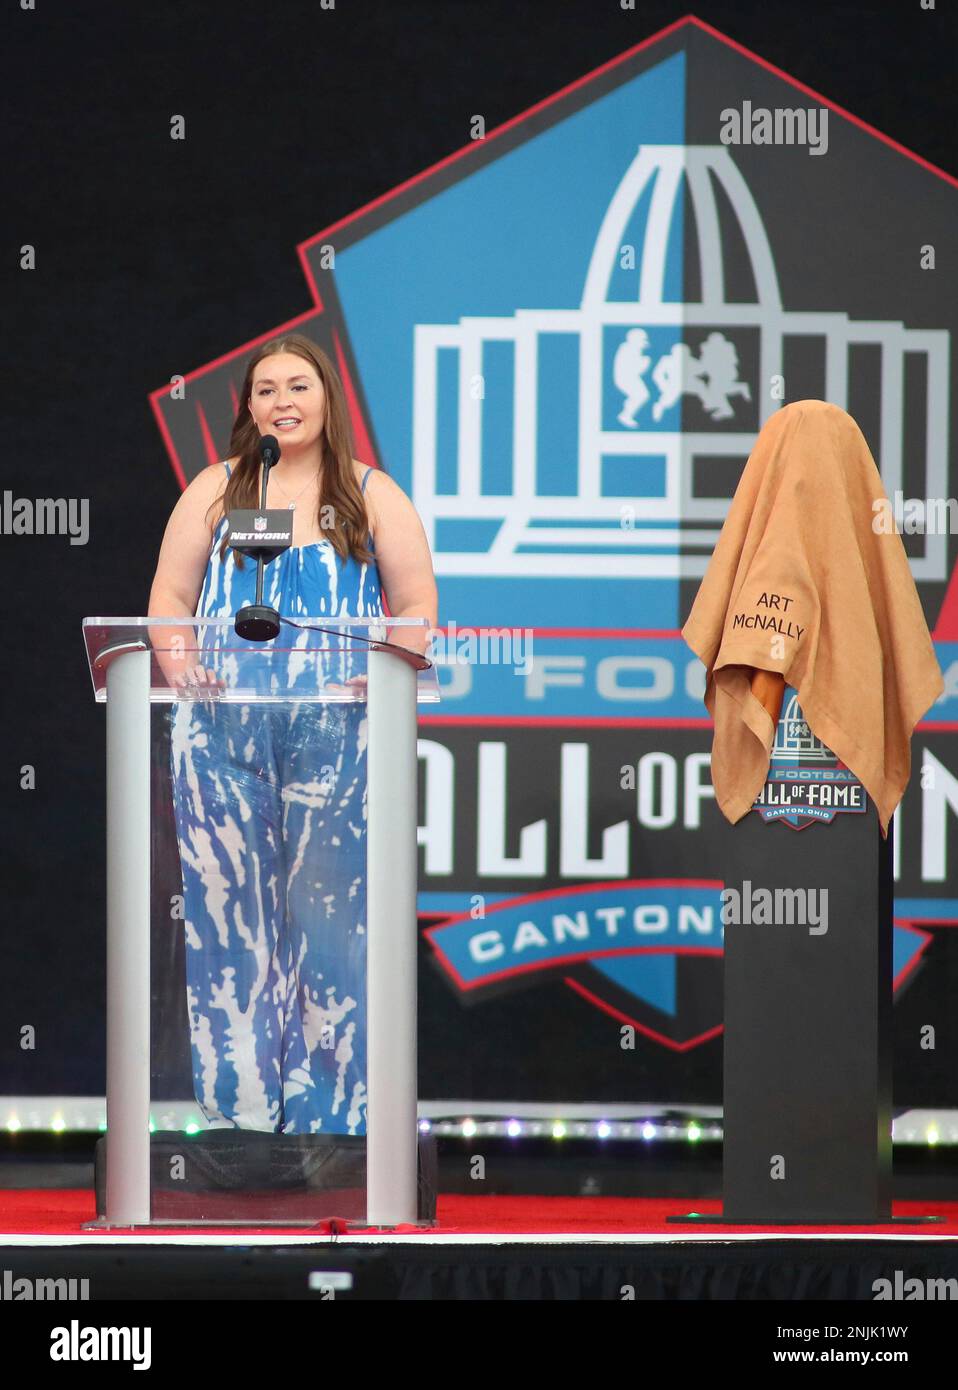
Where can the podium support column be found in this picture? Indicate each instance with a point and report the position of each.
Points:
(128, 939)
(391, 925)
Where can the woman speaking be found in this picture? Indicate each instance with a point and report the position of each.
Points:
(270, 799)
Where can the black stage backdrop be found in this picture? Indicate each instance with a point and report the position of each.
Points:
(155, 256)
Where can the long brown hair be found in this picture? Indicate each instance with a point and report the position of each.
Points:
(339, 488)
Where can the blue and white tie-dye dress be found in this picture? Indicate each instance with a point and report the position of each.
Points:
(270, 809)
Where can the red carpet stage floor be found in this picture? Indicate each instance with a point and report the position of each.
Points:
(483, 1248)
(53, 1214)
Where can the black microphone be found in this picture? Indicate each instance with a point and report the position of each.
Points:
(257, 622)
(270, 453)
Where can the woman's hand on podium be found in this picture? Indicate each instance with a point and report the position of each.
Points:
(198, 681)
(356, 684)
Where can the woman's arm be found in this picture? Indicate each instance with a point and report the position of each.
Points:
(402, 554)
(180, 570)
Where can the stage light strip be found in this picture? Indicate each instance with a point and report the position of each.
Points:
(470, 1120)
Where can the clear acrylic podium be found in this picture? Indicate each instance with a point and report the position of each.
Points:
(291, 770)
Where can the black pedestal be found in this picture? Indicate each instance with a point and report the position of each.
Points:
(808, 1026)
(808, 1022)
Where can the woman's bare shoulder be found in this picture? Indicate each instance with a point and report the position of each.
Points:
(359, 473)
(202, 491)
(384, 494)
(379, 479)
(210, 479)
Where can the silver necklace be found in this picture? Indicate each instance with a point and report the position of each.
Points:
(292, 505)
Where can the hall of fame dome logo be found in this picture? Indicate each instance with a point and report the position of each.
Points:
(806, 784)
(667, 392)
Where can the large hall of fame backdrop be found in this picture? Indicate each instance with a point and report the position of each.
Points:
(562, 345)
(562, 341)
